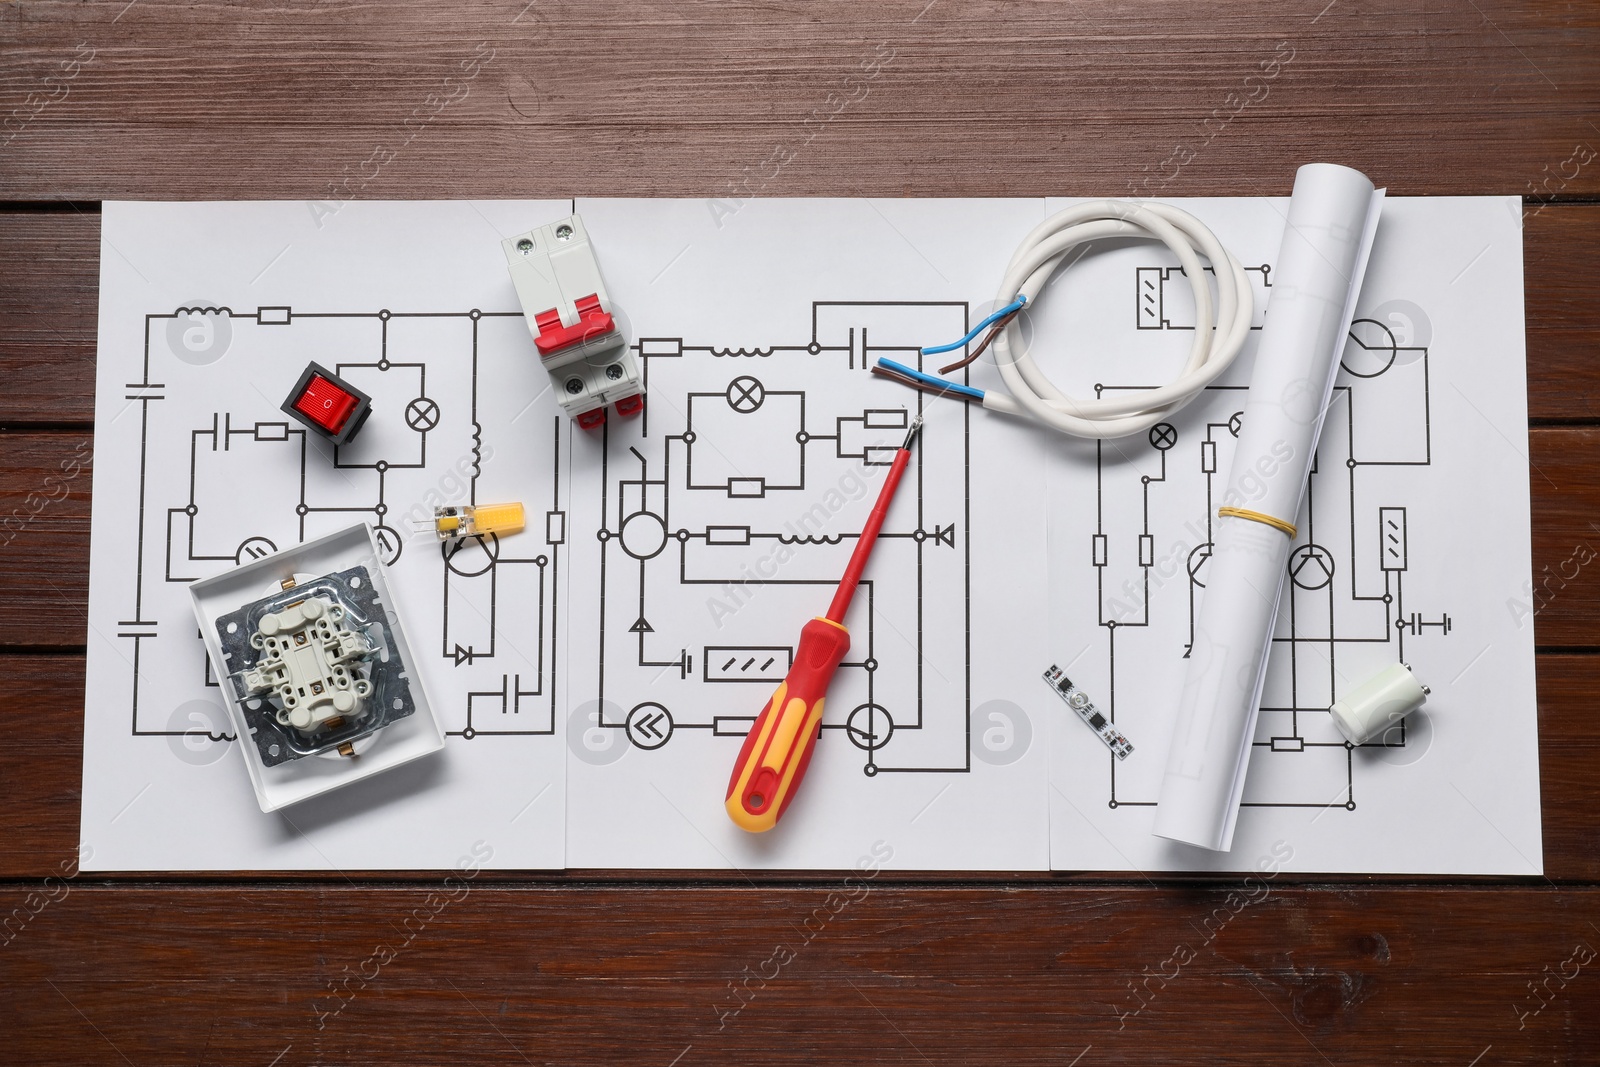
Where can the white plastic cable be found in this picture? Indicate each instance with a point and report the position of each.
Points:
(1032, 395)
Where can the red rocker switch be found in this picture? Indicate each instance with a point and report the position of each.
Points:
(328, 405)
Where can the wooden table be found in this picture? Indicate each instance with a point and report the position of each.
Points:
(173, 99)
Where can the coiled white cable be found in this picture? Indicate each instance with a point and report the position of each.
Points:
(1032, 395)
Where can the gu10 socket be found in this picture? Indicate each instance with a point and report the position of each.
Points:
(1378, 703)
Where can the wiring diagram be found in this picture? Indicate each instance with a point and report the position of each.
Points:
(1344, 610)
(723, 519)
(250, 482)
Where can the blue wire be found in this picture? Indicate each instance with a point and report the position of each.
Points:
(1015, 305)
(931, 379)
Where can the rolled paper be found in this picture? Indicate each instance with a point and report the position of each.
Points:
(1333, 214)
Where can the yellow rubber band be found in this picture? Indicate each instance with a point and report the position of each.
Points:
(1256, 516)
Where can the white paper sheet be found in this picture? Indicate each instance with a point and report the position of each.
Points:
(1413, 545)
(962, 772)
(196, 467)
(759, 339)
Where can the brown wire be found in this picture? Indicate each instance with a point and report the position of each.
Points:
(921, 386)
(990, 336)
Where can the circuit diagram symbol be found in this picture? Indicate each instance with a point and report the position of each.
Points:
(723, 518)
(1163, 298)
(1344, 604)
(226, 485)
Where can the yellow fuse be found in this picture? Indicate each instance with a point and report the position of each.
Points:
(465, 520)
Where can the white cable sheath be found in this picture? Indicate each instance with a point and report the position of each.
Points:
(1032, 395)
(1333, 215)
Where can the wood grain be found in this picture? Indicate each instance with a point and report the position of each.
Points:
(197, 100)
(176, 99)
(44, 539)
(1561, 268)
(1569, 752)
(48, 324)
(41, 770)
(898, 974)
(1564, 475)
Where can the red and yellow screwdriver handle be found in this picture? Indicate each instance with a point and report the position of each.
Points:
(778, 748)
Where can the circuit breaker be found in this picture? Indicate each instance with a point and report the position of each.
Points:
(574, 327)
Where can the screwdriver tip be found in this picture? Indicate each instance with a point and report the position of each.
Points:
(911, 435)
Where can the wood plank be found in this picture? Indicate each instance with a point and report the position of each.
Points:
(51, 266)
(1561, 277)
(41, 764)
(41, 768)
(1569, 752)
(49, 316)
(1273, 973)
(185, 99)
(1564, 484)
(44, 533)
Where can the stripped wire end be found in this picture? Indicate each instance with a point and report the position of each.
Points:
(927, 383)
(911, 434)
(920, 387)
(989, 320)
(988, 339)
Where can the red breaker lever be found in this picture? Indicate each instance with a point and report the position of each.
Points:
(778, 748)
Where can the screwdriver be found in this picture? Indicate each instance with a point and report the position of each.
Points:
(778, 748)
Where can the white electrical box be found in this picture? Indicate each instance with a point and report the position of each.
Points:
(581, 345)
(312, 657)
